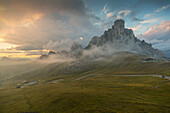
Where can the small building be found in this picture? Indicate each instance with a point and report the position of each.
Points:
(150, 60)
(163, 76)
(18, 86)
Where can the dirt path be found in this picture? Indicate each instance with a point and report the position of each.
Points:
(86, 76)
(161, 76)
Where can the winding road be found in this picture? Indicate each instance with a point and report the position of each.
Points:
(161, 76)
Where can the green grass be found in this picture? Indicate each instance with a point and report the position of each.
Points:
(100, 93)
(10, 70)
(107, 93)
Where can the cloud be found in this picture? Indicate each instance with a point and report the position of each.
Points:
(105, 9)
(158, 34)
(6, 45)
(59, 45)
(150, 21)
(162, 28)
(30, 24)
(162, 8)
(133, 17)
(137, 19)
(152, 15)
(107, 23)
(164, 45)
(108, 15)
(99, 52)
(123, 13)
(138, 27)
(147, 4)
(112, 16)
(13, 53)
(148, 15)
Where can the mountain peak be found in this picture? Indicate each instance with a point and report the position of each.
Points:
(123, 39)
(119, 24)
(76, 46)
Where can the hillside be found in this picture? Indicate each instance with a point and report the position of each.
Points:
(97, 85)
(119, 63)
(115, 73)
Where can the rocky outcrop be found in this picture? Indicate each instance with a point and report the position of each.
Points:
(45, 56)
(51, 53)
(76, 50)
(76, 46)
(123, 39)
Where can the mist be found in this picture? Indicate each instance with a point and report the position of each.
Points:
(56, 59)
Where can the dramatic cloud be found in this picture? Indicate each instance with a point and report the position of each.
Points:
(38, 21)
(28, 25)
(5, 45)
(158, 35)
(110, 17)
(59, 45)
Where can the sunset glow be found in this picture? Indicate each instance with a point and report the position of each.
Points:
(36, 25)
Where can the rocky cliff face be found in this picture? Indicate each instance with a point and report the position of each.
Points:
(123, 39)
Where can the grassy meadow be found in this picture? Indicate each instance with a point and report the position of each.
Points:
(95, 94)
(67, 88)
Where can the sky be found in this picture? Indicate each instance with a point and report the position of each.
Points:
(29, 28)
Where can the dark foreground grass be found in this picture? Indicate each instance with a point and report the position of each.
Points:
(95, 94)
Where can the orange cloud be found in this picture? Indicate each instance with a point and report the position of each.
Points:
(136, 27)
(105, 9)
(157, 29)
(108, 15)
(21, 54)
(4, 45)
(158, 35)
(29, 20)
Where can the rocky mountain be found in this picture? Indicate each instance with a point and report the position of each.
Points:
(76, 49)
(76, 46)
(117, 39)
(123, 39)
